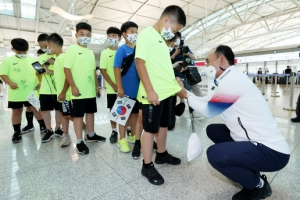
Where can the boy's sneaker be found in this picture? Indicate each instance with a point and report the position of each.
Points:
(131, 139)
(48, 136)
(114, 137)
(17, 137)
(95, 138)
(256, 194)
(58, 132)
(27, 129)
(136, 152)
(167, 159)
(42, 129)
(128, 132)
(82, 148)
(65, 141)
(123, 145)
(152, 175)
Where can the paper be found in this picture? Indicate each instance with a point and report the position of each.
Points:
(121, 110)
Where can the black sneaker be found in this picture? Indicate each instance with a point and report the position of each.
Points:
(82, 148)
(42, 129)
(128, 132)
(48, 136)
(58, 132)
(296, 119)
(256, 194)
(27, 129)
(152, 175)
(167, 159)
(136, 152)
(16, 138)
(114, 137)
(154, 145)
(95, 138)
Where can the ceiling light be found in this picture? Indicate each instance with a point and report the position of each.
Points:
(69, 16)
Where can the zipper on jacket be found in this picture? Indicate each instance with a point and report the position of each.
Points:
(240, 122)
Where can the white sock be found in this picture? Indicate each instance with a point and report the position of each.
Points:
(79, 141)
(65, 134)
(114, 129)
(92, 134)
(128, 128)
(261, 183)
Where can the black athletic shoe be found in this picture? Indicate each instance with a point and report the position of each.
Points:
(114, 137)
(16, 138)
(48, 136)
(296, 119)
(256, 194)
(27, 129)
(82, 148)
(95, 138)
(58, 132)
(42, 129)
(136, 152)
(154, 145)
(152, 175)
(167, 159)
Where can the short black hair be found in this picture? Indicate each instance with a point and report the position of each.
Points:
(20, 44)
(42, 37)
(56, 39)
(113, 30)
(177, 13)
(84, 26)
(178, 34)
(227, 52)
(127, 25)
(40, 51)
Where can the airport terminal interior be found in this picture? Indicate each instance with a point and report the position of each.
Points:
(264, 35)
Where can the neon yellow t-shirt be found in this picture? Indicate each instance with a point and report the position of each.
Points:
(81, 62)
(151, 48)
(21, 72)
(59, 75)
(48, 81)
(107, 62)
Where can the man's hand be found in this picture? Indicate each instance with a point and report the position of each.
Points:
(115, 87)
(182, 94)
(120, 92)
(13, 85)
(98, 93)
(51, 61)
(75, 91)
(153, 98)
(61, 96)
(177, 52)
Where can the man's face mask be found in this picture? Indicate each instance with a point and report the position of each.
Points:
(112, 42)
(132, 38)
(84, 40)
(211, 71)
(167, 34)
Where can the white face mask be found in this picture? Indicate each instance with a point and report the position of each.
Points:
(21, 55)
(211, 71)
(132, 38)
(46, 51)
(167, 34)
(112, 42)
(84, 40)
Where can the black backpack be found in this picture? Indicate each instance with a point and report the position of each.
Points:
(127, 61)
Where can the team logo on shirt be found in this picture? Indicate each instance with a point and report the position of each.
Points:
(111, 56)
(160, 41)
(15, 63)
(80, 53)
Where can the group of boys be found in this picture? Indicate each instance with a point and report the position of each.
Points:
(69, 86)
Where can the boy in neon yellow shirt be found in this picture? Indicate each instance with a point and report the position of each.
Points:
(107, 71)
(158, 85)
(80, 71)
(48, 93)
(17, 72)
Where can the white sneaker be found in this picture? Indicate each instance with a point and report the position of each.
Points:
(198, 116)
(65, 141)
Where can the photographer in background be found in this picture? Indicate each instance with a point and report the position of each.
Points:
(190, 76)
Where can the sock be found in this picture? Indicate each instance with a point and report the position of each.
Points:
(79, 141)
(92, 134)
(42, 123)
(147, 165)
(114, 129)
(261, 183)
(162, 154)
(138, 142)
(17, 128)
(29, 117)
(65, 134)
(129, 128)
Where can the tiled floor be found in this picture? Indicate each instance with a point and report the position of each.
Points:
(31, 170)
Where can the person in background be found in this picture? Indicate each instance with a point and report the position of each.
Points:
(288, 70)
(99, 77)
(297, 118)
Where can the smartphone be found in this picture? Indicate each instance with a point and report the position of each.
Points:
(38, 67)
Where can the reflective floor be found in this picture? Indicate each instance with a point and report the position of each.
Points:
(31, 170)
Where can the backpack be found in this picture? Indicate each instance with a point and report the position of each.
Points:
(127, 61)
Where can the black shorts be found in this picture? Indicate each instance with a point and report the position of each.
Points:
(111, 99)
(18, 105)
(135, 108)
(140, 106)
(49, 102)
(155, 117)
(82, 106)
(66, 108)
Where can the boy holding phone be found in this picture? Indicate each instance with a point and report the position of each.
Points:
(17, 72)
(84, 85)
